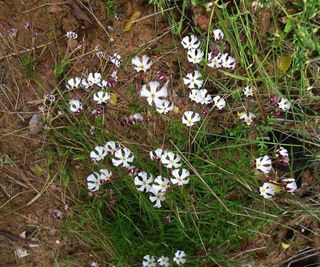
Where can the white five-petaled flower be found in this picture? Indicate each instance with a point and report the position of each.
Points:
(152, 95)
(218, 34)
(219, 102)
(264, 164)
(73, 83)
(190, 42)
(282, 154)
(284, 104)
(247, 117)
(195, 56)
(85, 84)
(123, 157)
(290, 184)
(75, 105)
(101, 97)
(161, 184)
(248, 91)
(200, 96)
(156, 154)
(171, 160)
(180, 177)
(72, 35)
(111, 147)
(193, 80)
(105, 175)
(99, 153)
(157, 197)
(268, 190)
(164, 261)
(180, 257)
(227, 61)
(189, 118)
(94, 78)
(143, 181)
(93, 182)
(103, 84)
(142, 64)
(165, 107)
(149, 261)
(115, 59)
(214, 61)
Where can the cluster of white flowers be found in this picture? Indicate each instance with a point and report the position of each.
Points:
(96, 179)
(157, 187)
(94, 81)
(151, 261)
(120, 157)
(194, 80)
(264, 164)
(153, 91)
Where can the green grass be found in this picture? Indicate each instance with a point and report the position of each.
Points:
(211, 217)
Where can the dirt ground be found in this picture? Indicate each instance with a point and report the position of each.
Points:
(31, 198)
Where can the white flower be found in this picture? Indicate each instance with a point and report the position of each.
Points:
(195, 56)
(105, 175)
(268, 190)
(101, 97)
(290, 184)
(156, 154)
(72, 35)
(143, 181)
(157, 196)
(214, 61)
(204, 98)
(85, 84)
(165, 107)
(247, 117)
(93, 182)
(75, 105)
(248, 91)
(111, 147)
(137, 116)
(73, 83)
(283, 155)
(228, 62)
(103, 84)
(153, 95)
(218, 34)
(99, 153)
(115, 59)
(219, 102)
(200, 96)
(190, 42)
(284, 104)
(161, 184)
(142, 64)
(189, 118)
(94, 78)
(264, 164)
(194, 95)
(164, 261)
(193, 80)
(180, 257)
(170, 160)
(122, 157)
(180, 177)
(149, 261)
(94, 264)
